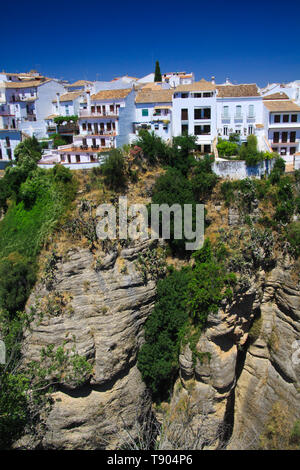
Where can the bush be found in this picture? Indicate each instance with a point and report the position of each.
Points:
(158, 357)
(293, 236)
(153, 147)
(181, 153)
(173, 188)
(113, 170)
(17, 276)
(203, 179)
(227, 148)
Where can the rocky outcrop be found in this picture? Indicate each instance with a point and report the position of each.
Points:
(236, 386)
(108, 303)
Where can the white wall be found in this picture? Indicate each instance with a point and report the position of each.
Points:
(232, 123)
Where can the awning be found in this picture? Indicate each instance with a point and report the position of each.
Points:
(162, 107)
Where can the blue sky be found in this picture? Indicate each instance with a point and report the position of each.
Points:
(254, 41)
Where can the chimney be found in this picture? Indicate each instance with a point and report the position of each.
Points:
(88, 99)
(213, 80)
(58, 103)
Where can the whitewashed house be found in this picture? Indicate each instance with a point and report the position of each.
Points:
(194, 110)
(175, 79)
(153, 111)
(239, 109)
(105, 124)
(282, 123)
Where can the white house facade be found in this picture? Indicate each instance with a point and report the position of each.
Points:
(194, 110)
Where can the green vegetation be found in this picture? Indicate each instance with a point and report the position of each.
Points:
(114, 170)
(61, 119)
(246, 151)
(184, 300)
(33, 201)
(157, 74)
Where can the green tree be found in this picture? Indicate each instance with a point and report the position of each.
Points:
(29, 148)
(157, 74)
(114, 171)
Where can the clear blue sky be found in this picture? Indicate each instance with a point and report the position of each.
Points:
(253, 41)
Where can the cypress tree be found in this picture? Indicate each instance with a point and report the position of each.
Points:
(157, 75)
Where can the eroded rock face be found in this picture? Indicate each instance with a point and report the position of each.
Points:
(105, 315)
(271, 372)
(243, 378)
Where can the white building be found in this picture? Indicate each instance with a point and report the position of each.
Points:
(105, 124)
(282, 124)
(194, 112)
(175, 79)
(239, 110)
(153, 112)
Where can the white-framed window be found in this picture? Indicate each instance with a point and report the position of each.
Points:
(225, 130)
(250, 130)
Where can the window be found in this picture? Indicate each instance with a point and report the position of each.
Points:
(94, 142)
(84, 126)
(293, 136)
(250, 130)
(102, 142)
(284, 136)
(238, 131)
(274, 149)
(225, 130)
(184, 95)
(7, 141)
(69, 158)
(77, 158)
(283, 151)
(202, 113)
(99, 109)
(285, 118)
(184, 115)
(238, 111)
(197, 95)
(8, 151)
(276, 137)
(0, 153)
(201, 130)
(156, 127)
(294, 118)
(62, 158)
(277, 118)
(111, 108)
(207, 148)
(251, 111)
(207, 95)
(89, 126)
(225, 112)
(108, 126)
(144, 112)
(84, 142)
(67, 110)
(184, 129)
(292, 150)
(93, 109)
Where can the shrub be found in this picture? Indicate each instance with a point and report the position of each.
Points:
(203, 179)
(17, 276)
(153, 147)
(293, 236)
(227, 148)
(113, 170)
(158, 357)
(181, 153)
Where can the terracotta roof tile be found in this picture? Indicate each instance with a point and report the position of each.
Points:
(236, 91)
(276, 96)
(111, 94)
(202, 85)
(281, 106)
(72, 95)
(154, 96)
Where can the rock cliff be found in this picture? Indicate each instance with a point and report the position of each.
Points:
(107, 305)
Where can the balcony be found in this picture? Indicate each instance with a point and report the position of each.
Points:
(238, 117)
(250, 116)
(69, 128)
(225, 117)
(106, 115)
(102, 133)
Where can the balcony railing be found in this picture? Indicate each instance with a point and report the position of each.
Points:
(250, 116)
(225, 116)
(87, 113)
(238, 116)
